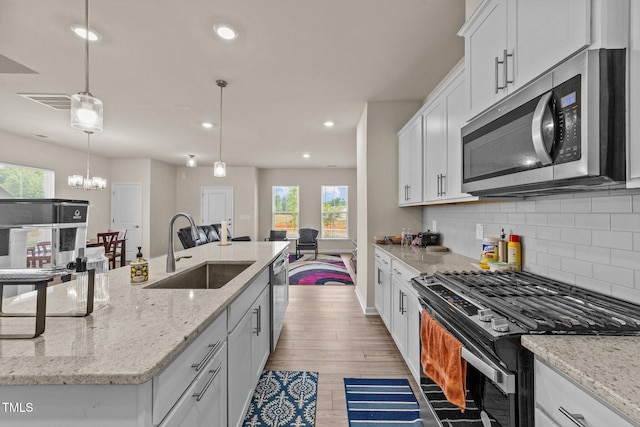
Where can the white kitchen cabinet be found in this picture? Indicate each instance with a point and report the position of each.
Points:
(248, 344)
(410, 163)
(443, 118)
(383, 286)
(405, 316)
(205, 401)
(633, 143)
(510, 42)
(558, 399)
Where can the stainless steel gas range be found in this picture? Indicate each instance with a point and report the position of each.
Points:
(488, 313)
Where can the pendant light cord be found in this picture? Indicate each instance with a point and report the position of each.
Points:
(86, 64)
(88, 153)
(222, 84)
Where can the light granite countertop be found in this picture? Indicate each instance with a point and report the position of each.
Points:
(608, 367)
(134, 334)
(426, 262)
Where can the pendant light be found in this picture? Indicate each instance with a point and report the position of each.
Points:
(191, 161)
(86, 110)
(219, 168)
(79, 182)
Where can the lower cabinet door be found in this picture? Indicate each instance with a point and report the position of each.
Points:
(542, 420)
(398, 315)
(205, 401)
(413, 336)
(240, 372)
(261, 344)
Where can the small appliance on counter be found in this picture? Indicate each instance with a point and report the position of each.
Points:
(428, 238)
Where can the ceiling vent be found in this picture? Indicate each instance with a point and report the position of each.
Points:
(57, 101)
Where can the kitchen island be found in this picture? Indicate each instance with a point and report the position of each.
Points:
(126, 341)
(607, 367)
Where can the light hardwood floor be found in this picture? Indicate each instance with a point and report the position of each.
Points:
(325, 331)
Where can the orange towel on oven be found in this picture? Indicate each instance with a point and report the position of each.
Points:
(442, 361)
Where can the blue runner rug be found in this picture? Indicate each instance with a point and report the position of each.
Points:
(381, 402)
(284, 399)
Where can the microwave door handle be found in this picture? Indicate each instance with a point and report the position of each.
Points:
(536, 130)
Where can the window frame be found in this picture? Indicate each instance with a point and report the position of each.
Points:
(49, 180)
(345, 211)
(291, 233)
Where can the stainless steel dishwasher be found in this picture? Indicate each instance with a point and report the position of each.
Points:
(279, 295)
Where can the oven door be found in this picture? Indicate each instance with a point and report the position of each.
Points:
(491, 396)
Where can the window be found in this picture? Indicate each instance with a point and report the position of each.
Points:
(286, 210)
(21, 182)
(335, 213)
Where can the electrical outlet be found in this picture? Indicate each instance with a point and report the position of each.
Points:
(433, 226)
(479, 231)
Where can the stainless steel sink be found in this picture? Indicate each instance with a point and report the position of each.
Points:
(212, 275)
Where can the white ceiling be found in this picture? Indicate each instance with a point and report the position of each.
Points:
(296, 64)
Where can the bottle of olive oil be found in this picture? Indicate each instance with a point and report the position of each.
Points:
(139, 268)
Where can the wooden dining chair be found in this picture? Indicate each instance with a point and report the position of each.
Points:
(110, 242)
(43, 252)
(120, 244)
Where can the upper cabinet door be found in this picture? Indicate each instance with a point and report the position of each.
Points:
(485, 44)
(545, 33)
(435, 149)
(410, 163)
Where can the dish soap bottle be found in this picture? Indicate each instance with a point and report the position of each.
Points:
(139, 268)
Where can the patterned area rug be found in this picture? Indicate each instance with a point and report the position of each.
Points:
(326, 270)
(381, 402)
(284, 399)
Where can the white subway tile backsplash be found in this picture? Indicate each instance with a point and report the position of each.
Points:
(626, 222)
(577, 267)
(593, 254)
(614, 275)
(611, 204)
(591, 239)
(561, 220)
(613, 239)
(593, 221)
(549, 261)
(536, 219)
(561, 249)
(517, 218)
(575, 235)
(575, 205)
(526, 206)
(548, 233)
(626, 259)
(548, 205)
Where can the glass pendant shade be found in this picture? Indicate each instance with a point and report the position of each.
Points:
(219, 169)
(191, 161)
(86, 112)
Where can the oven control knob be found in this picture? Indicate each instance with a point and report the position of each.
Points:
(500, 324)
(485, 314)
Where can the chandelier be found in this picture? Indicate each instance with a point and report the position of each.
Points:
(79, 182)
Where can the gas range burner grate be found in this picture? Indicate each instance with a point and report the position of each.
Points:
(540, 304)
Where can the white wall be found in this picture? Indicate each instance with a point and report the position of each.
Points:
(377, 157)
(64, 162)
(310, 181)
(243, 179)
(162, 197)
(588, 239)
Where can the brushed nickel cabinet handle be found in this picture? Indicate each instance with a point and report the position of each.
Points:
(577, 419)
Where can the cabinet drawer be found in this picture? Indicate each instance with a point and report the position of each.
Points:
(383, 258)
(402, 272)
(241, 305)
(169, 385)
(204, 402)
(554, 391)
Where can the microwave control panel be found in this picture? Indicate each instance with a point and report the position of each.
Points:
(567, 111)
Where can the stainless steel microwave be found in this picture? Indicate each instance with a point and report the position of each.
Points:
(566, 131)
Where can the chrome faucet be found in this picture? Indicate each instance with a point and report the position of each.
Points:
(171, 257)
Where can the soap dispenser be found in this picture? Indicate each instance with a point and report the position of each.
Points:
(139, 268)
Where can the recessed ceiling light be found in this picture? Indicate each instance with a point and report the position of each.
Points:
(306, 155)
(225, 31)
(328, 124)
(207, 125)
(81, 32)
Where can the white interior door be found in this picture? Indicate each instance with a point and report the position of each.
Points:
(126, 213)
(217, 205)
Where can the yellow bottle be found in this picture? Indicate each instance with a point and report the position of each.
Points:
(139, 268)
(514, 252)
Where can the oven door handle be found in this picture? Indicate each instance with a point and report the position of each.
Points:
(486, 369)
